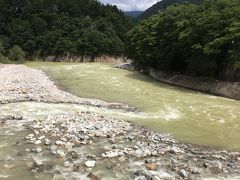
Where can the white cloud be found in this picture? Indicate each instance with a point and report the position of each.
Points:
(131, 5)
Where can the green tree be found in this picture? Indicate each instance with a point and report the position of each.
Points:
(16, 53)
(196, 39)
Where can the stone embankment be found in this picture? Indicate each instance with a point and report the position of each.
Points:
(19, 83)
(220, 88)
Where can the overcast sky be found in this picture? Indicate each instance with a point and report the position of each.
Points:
(131, 5)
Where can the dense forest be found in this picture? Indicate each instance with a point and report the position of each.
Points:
(200, 39)
(49, 27)
(194, 39)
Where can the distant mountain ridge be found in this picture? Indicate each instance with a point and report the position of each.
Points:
(162, 5)
(133, 13)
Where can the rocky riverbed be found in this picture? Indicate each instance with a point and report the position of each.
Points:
(20, 83)
(90, 145)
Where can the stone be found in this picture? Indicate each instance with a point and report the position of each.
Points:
(90, 164)
(141, 178)
(30, 136)
(48, 142)
(183, 173)
(111, 154)
(61, 153)
(122, 159)
(36, 132)
(38, 150)
(59, 143)
(41, 137)
(156, 178)
(92, 176)
(238, 159)
(152, 166)
(67, 164)
(68, 146)
(17, 117)
(38, 142)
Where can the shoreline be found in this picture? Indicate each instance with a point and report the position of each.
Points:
(226, 89)
(125, 142)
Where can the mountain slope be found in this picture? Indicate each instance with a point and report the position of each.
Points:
(50, 27)
(133, 13)
(162, 5)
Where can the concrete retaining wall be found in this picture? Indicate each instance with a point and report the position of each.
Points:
(221, 88)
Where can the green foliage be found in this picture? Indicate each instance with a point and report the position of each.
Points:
(48, 27)
(3, 59)
(201, 39)
(16, 53)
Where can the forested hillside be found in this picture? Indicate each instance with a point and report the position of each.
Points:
(162, 5)
(49, 27)
(194, 39)
(133, 13)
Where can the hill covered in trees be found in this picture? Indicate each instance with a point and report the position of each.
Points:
(193, 39)
(49, 27)
(156, 8)
(133, 13)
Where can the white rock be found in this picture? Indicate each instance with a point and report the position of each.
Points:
(47, 142)
(38, 150)
(111, 154)
(90, 164)
(61, 153)
(67, 164)
(59, 143)
(38, 142)
(41, 137)
(36, 132)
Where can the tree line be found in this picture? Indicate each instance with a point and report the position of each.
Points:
(188, 38)
(196, 39)
(49, 27)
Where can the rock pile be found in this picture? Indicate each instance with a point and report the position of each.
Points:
(124, 142)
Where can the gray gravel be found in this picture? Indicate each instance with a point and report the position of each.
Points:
(20, 83)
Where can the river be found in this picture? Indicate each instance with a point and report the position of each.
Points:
(189, 116)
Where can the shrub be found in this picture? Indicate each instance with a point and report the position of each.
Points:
(16, 53)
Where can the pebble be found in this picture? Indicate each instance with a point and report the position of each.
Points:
(38, 150)
(59, 143)
(110, 154)
(152, 166)
(38, 142)
(67, 164)
(90, 164)
(48, 142)
(183, 173)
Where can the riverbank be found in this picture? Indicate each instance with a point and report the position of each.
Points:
(127, 150)
(19, 83)
(228, 89)
(211, 86)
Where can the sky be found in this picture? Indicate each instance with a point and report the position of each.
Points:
(131, 5)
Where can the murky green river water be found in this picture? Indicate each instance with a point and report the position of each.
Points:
(187, 115)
